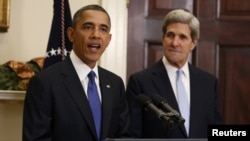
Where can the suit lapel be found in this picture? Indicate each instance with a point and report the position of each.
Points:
(195, 96)
(163, 85)
(107, 101)
(76, 92)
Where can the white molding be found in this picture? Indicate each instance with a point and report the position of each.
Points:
(12, 95)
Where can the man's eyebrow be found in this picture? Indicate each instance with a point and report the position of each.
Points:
(88, 23)
(105, 25)
(91, 23)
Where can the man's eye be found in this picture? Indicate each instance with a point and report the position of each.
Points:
(87, 27)
(183, 36)
(170, 35)
(104, 29)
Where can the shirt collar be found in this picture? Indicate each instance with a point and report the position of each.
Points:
(81, 68)
(172, 70)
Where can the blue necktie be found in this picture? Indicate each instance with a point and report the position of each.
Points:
(183, 100)
(94, 102)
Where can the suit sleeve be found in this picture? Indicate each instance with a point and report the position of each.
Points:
(135, 109)
(37, 112)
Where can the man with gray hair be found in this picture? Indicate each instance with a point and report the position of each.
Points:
(192, 93)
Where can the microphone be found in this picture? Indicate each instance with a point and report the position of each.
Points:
(161, 102)
(146, 102)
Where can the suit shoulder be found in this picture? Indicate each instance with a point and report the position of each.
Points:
(55, 69)
(155, 68)
(108, 73)
(199, 72)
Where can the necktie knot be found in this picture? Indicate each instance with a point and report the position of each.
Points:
(91, 76)
(179, 73)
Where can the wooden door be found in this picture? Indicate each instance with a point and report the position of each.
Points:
(223, 49)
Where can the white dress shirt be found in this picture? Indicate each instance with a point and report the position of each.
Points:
(82, 71)
(171, 70)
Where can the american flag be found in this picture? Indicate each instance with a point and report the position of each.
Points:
(59, 46)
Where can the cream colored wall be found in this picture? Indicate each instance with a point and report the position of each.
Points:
(30, 22)
(27, 38)
(11, 112)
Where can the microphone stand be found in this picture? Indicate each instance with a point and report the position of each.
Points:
(167, 120)
(174, 122)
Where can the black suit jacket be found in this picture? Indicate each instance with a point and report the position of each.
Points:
(56, 107)
(205, 103)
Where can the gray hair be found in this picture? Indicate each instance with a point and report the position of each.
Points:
(182, 16)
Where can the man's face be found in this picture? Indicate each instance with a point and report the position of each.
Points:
(91, 36)
(177, 43)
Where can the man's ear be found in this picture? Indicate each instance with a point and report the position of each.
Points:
(70, 34)
(108, 41)
(194, 44)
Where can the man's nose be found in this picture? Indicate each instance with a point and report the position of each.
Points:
(96, 33)
(175, 41)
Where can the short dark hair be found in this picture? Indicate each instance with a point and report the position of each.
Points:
(79, 12)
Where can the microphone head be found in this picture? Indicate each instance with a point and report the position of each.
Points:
(157, 99)
(142, 99)
(161, 102)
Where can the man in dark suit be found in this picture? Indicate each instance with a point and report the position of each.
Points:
(57, 103)
(180, 34)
